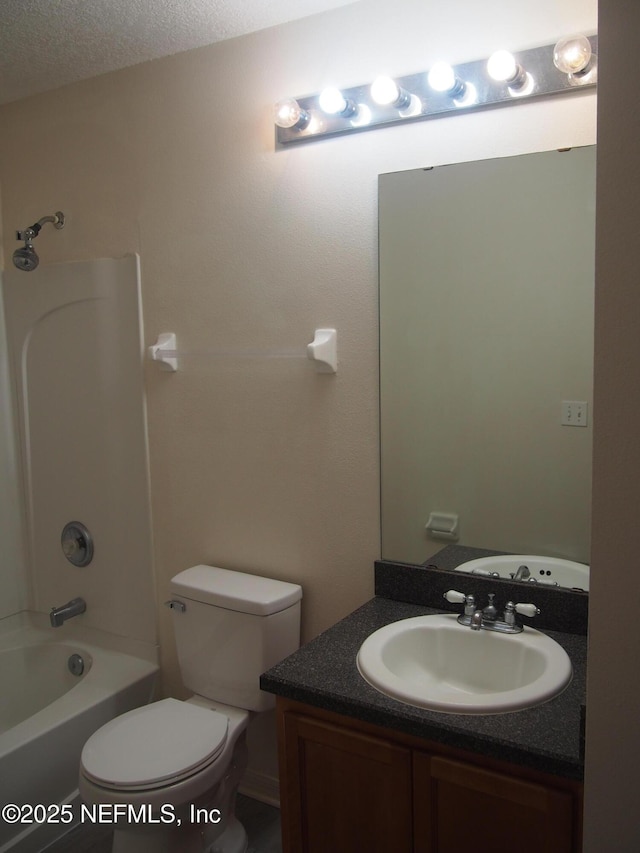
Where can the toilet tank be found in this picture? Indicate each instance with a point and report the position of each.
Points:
(233, 627)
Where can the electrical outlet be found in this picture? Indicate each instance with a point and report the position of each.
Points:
(574, 413)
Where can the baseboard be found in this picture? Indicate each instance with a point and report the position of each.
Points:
(266, 789)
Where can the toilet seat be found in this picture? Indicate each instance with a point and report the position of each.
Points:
(154, 746)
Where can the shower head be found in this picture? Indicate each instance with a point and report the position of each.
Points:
(26, 258)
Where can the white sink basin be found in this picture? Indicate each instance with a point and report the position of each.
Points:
(548, 570)
(433, 662)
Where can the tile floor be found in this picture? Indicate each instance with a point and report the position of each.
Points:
(261, 821)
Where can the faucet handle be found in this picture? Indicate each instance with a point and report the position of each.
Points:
(455, 597)
(527, 609)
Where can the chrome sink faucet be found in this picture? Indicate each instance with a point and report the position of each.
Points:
(522, 573)
(486, 618)
(58, 615)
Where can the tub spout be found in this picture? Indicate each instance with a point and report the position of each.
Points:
(58, 615)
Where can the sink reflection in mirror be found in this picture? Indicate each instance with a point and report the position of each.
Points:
(432, 662)
(532, 569)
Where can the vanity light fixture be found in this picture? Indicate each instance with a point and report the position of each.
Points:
(504, 79)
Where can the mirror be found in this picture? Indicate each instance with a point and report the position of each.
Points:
(486, 337)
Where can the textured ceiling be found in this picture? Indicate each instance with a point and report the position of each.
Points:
(48, 43)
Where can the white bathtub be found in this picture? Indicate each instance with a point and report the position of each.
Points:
(47, 713)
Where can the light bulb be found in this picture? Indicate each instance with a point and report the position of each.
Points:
(442, 77)
(386, 92)
(502, 66)
(572, 55)
(289, 113)
(332, 101)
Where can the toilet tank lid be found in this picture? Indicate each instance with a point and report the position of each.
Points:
(236, 590)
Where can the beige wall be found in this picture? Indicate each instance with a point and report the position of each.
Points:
(613, 743)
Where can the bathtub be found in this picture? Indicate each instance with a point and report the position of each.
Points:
(47, 713)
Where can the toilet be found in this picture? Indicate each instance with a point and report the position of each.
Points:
(166, 774)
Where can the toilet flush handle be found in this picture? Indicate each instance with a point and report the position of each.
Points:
(174, 604)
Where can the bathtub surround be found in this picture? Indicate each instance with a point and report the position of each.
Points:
(75, 346)
(13, 579)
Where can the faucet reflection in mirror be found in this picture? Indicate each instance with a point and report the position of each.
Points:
(505, 78)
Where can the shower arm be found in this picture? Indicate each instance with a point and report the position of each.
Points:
(29, 233)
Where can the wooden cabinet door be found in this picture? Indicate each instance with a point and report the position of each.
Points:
(342, 791)
(460, 806)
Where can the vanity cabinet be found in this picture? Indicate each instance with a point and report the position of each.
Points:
(460, 805)
(342, 791)
(351, 787)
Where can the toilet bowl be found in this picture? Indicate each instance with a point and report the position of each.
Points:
(166, 774)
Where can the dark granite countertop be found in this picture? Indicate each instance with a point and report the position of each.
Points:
(324, 673)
